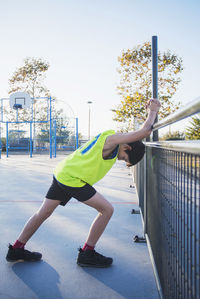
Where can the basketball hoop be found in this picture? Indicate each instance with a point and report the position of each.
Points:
(17, 106)
(20, 100)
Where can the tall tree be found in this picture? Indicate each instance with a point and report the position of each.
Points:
(135, 86)
(193, 131)
(30, 78)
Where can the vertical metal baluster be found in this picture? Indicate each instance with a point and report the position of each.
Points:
(182, 229)
(191, 224)
(186, 206)
(187, 226)
(183, 250)
(167, 222)
(173, 278)
(195, 224)
(178, 224)
(170, 227)
(173, 224)
(176, 227)
(198, 233)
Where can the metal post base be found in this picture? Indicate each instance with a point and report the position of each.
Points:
(139, 239)
(135, 211)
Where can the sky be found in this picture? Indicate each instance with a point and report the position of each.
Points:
(82, 39)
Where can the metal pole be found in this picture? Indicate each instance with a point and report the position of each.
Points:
(54, 123)
(33, 137)
(76, 132)
(7, 139)
(155, 76)
(0, 141)
(145, 193)
(50, 131)
(31, 140)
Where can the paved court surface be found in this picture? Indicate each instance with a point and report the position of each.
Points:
(24, 182)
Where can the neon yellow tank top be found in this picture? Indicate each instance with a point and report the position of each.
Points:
(86, 164)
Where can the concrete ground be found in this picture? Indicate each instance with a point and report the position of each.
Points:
(24, 182)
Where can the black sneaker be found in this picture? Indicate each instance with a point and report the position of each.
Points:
(15, 254)
(91, 258)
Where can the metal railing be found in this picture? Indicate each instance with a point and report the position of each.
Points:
(168, 187)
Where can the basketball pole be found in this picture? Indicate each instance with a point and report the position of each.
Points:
(7, 139)
(31, 139)
(54, 125)
(0, 141)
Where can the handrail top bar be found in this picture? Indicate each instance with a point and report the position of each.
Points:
(191, 147)
(191, 108)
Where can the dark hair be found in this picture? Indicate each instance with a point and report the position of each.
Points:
(137, 152)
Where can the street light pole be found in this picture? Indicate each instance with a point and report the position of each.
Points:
(89, 103)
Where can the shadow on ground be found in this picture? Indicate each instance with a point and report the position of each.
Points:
(40, 277)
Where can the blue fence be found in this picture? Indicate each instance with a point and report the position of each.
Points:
(36, 136)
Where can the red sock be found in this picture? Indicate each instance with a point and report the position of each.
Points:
(87, 247)
(18, 244)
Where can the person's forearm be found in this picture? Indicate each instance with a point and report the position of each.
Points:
(147, 126)
(143, 132)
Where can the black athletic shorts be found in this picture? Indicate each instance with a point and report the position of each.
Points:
(58, 191)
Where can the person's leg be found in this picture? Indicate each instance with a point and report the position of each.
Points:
(18, 252)
(37, 219)
(99, 224)
(88, 257)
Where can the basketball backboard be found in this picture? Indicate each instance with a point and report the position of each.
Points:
(20, 100)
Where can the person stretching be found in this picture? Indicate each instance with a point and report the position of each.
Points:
(74, 177)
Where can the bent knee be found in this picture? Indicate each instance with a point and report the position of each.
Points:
(108, 210)
(111, 210)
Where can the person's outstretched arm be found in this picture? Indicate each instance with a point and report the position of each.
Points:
(120, 138)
